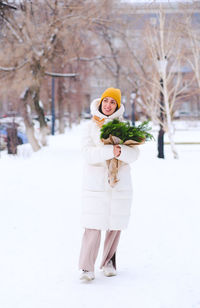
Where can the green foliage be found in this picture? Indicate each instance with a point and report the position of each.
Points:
(125, 131)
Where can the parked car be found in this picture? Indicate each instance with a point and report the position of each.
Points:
(3, 142)
(21, 136)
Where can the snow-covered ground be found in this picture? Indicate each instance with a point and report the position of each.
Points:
(40, 236)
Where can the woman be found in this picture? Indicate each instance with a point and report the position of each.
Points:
(104, 207)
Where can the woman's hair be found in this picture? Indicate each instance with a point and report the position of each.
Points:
(100, 108)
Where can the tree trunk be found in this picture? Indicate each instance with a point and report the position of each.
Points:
(31, 137)
(70, 115)
(161, 132)
(28, 124)
(165, 90)
(117, 75)
(40, 112)
(161, 143)
(169, 121)
(12, 140)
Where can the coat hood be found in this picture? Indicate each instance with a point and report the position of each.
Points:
(95, 111)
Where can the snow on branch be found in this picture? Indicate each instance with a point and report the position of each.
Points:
(13, 30)
(24, 94)
(14, 68)
(8, 5)
(61, 75)
(90, 59)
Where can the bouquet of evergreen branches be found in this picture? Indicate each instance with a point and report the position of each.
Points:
(125, 131)
(117, 132)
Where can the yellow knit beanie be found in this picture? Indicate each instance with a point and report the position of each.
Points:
(114, 93)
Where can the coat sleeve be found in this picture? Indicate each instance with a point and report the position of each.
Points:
(94, 154)
(128, 154)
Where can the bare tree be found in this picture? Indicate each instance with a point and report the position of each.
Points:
(112, 62)
(192, 33)
(165, 85)
(33, 34)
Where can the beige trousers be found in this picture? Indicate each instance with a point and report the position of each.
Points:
(90, 247)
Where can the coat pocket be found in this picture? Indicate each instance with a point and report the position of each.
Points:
(124, 176)
(94, 178)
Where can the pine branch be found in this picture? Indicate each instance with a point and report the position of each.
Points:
(125, 131)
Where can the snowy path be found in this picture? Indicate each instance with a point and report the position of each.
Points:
(158, 255)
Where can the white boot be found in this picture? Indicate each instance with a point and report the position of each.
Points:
(87, 275)
(109, 270)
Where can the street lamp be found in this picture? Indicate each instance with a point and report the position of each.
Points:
(54, 75)
(162, 65)
(53, 105)
(132, 101)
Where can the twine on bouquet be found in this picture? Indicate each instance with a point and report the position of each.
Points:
(114, 163)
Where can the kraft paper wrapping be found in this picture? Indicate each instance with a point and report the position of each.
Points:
(114, 163)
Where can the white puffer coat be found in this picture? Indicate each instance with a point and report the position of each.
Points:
(104, 207)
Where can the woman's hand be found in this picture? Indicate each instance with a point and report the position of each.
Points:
(116, 150)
